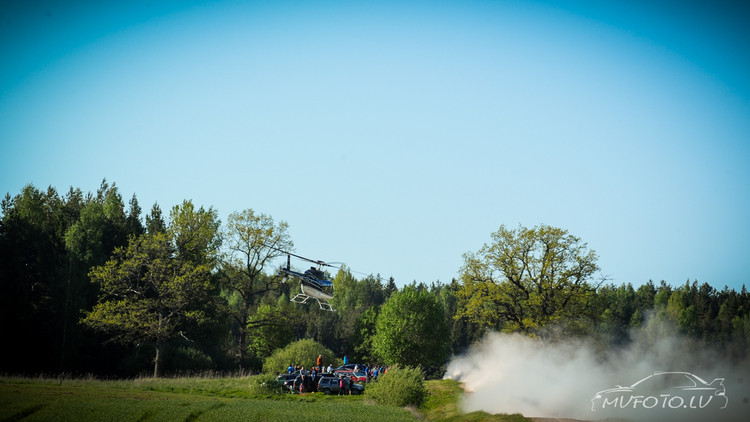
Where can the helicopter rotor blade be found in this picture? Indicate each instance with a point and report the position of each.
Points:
(319, 262)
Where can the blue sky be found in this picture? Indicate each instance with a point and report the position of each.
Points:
(395, 136)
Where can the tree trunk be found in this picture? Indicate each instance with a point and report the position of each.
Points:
(158, 358)
(159, 349)
(242, 352)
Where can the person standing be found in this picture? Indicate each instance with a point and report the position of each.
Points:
(319, 361)
(314, 380)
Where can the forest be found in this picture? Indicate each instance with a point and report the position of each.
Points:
(91, 285)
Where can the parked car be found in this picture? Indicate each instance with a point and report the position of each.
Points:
(350, 367)
(289, 384)
(330, 385)
(293, 384)
(358, 376)
(281, 379)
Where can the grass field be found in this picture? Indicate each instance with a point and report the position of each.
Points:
(209, 399)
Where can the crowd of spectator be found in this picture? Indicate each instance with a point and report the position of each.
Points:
(307, 380)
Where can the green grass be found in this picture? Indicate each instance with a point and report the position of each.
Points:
(442, 405)
(185, 399)
(210, 399)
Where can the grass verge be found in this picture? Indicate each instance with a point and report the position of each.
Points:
(212, 399)
(442, 405)
(176, 400)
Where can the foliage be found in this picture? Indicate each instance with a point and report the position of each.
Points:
(356, 303)
(528, 278)
(301, 352)
(275, 333)
(263, 384)
(147, 293)
(411, 330)
(254, 240)
(184, 357)
(364, 332)
(195, 234)
(153, 289)
(48, 243)
(399, 386)
(57, 248)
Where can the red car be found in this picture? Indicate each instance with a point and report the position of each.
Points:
(359, 377)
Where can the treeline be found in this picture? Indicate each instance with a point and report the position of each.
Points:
(90, 285)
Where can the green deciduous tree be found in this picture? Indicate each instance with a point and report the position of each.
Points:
(364, 332)
(353, 297)
(160, 285)
(528, 278)
(195, 233)
(411, 330)
(272, 328)
(148, 294)
(254, 240)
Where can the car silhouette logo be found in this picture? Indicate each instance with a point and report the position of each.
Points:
(664, 390)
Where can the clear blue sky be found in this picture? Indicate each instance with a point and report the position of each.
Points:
(395, 136)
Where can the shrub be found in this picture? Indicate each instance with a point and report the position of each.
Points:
(184, 358)
(302, 352)
(263, 384)
(399, 387)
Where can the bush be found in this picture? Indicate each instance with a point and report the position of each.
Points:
(263, 384)
(302, 352)
(399, 387)
(184, 358)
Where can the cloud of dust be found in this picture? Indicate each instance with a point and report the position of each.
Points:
(512, 373)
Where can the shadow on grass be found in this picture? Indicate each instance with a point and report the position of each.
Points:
(24, 413)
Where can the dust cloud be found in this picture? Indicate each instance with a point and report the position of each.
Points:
(512, 373)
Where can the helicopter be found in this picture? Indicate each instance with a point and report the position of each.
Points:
(313, 282)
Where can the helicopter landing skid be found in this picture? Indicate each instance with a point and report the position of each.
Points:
(302, 298)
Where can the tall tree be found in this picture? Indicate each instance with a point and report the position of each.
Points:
(148, 294)
(528, 278)
(154, 221)
(353, 297)
(411, 330)
(133, 223)
(254, 240)
(266, 337)
(160, 286)
(364, 332)
(195, 233)
(32, 280)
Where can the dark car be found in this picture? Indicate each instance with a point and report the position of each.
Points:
(330, 385)
(312, 384)
(282, 379)
(289, 384)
